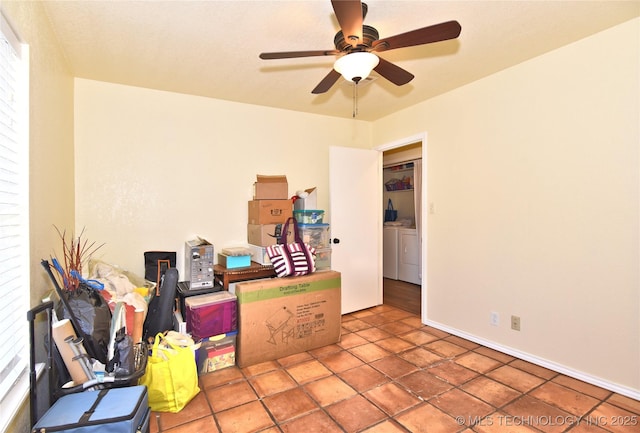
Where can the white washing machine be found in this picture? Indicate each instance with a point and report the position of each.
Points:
(408, 255)
(390, 252)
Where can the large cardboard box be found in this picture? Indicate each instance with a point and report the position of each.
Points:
(266, 235)
(270, 188)
(278, 317)
(270, 211)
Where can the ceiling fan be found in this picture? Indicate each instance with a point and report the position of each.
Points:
(355, 44)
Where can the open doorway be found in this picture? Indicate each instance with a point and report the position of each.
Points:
(402, 246)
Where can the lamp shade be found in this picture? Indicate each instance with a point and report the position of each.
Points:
(356, 66)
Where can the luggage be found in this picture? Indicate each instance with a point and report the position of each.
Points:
(115, 410)
(108, 404)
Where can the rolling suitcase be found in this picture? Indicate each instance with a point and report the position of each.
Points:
(109, 405)
(115, 410)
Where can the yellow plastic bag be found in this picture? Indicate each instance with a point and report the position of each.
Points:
(171, 376)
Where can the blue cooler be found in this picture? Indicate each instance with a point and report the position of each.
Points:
(114, 410)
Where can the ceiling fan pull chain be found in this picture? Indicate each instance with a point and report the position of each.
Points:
(355, 99)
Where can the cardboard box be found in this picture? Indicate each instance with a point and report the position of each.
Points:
(270, 188)
(266, 235)
(234, 262)
(270, 211)
(278, 317)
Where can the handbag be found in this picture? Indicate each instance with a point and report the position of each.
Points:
(171, 376)
(293, 259)
(390, 214)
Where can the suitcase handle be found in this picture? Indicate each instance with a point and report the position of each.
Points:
(31, 317)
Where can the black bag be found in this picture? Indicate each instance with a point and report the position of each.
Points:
(156, 264)
(160, 313)
(89, 314)
(93, 316)
(123, 361)
(390, 214)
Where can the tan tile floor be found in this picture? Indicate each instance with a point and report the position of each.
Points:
(390, 374)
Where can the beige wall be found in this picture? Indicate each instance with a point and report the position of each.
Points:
(534, 176)
(154, 169)
(51, 137)
(50, 146)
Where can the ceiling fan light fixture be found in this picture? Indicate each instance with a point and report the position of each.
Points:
(356, 66)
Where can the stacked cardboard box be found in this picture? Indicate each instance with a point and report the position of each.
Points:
(269, 210)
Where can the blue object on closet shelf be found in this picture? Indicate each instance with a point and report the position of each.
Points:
(390, 214)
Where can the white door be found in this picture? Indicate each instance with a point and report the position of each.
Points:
(356, 224)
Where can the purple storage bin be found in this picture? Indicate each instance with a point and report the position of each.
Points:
(211, 314)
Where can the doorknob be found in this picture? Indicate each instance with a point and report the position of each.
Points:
(336, 240)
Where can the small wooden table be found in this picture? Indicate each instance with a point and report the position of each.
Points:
(255, 271)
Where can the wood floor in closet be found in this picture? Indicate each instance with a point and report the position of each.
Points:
(403, 295)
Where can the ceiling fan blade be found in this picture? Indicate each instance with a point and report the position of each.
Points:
(393, 73)
(327, 82)
(349, 15)
(425, 35)
(292, 54)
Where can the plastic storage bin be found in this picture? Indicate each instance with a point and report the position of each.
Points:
(316, 235)
(323, 259)
(308, 216)
(208, 315)
(217, 352)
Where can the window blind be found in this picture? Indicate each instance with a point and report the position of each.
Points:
(14, 214)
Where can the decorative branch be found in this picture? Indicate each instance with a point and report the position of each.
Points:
(76, 252)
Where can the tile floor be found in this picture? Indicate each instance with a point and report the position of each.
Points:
(389, 374)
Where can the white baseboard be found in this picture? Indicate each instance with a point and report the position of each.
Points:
(559, 368)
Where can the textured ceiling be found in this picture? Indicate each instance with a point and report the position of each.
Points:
(210, 48)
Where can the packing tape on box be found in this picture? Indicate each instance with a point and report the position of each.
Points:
(61, 330)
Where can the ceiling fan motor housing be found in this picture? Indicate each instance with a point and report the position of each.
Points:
(369, 35)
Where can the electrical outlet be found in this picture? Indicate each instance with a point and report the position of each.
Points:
(515, 323)
(494, 319)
